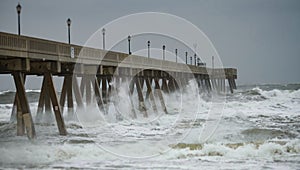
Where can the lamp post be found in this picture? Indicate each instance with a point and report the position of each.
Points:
(69, 25)
(103, 37)
(129, 38)
(176, 54)
(18, 7)
(213, 62)
(191, 58)
(164, 48)
(186, 57)
(148, 44)
(198, 61)
(195, 58)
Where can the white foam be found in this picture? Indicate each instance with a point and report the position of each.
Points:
(145, 136)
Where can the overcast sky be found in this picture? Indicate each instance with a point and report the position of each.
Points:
(258, 37)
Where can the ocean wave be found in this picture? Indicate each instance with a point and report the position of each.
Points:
(258, 94)
(7, 97)
(14, 91)
(256, 149)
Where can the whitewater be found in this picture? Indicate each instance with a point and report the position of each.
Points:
(258, 126)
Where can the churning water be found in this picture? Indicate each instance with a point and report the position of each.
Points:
(259, 127)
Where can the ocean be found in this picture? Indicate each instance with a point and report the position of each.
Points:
(256, 127)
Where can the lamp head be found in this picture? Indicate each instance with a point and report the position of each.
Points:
(19, 7)
(69, 21)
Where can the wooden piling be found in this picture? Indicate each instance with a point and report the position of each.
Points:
(13, 116)
(110, 87)
(230, 85)
(208, 85)
(150, 94)
(98, 96)
(171, 84)
(142, 106)
(47, 100)
(20, 120)
(19, 83)
(203, 88)
(131, 85)
(159, 94)
(198, 79)
(41, 103)
(149, 87)
(70, 95)
(234, 84)
(63, 94)
(88, 92)
(77, 93)
(56, 107)
(223, 85)
(164, 86)
(130, 91)
(82, 85)
(104, 90)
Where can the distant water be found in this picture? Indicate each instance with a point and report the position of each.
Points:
(259, 128)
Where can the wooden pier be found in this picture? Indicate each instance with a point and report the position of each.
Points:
(101, 73)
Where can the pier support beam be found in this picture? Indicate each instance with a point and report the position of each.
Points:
(150, 93)
(70, 86)
(164, 86)
(142, 107)
(67, 91)
(24, 105)
(208, 85)
(85, 86)
(171, 84)
(104, 90)
(77, 93)
(42, 102)
(230, 84)
(159, 94)
(14, 112)
(56, 107)
(99, 99)
(233, 83)
(222, 85)
(130, 86)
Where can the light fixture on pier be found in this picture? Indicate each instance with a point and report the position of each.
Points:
(18, 7)
(103, 36)
(195, 58)
(213, 62)
(164, 53)
(148, 44)
(186, 57)
(129, 38)
(69, 25)
(176, 54)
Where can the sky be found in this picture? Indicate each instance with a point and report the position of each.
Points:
(258, 37)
